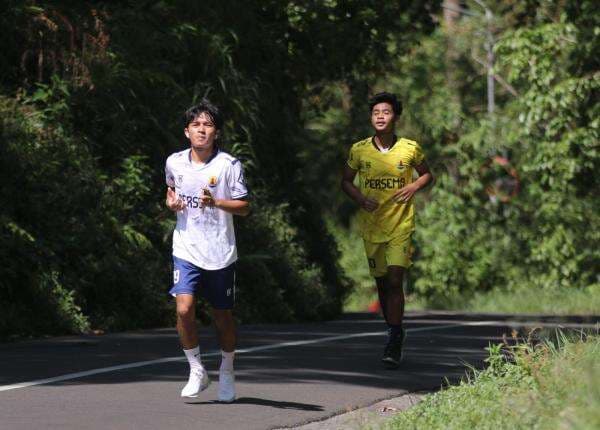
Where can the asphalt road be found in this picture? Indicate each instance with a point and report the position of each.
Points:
(287, 375)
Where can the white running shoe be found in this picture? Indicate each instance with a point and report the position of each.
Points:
(226, 386)
(197, 383)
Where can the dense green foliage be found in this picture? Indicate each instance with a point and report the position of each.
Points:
(90, 99)
(542, 387)
(471, 237)
(546, 236)
(91, 94)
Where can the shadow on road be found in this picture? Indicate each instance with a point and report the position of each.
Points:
(267, 402)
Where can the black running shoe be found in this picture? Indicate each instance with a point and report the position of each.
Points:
(392, 355)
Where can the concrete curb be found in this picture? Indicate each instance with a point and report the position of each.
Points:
(368, 417)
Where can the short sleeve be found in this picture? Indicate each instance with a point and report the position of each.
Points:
(169, 176)
(353, 159)
(236, 181)
(418, 156)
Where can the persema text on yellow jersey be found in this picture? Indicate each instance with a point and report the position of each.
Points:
(381, 175)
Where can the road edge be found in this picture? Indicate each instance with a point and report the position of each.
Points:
(371, 415)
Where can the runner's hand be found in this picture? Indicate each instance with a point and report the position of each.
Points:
(405, 193)
(369, 204)
(207, 198)
(173, 201)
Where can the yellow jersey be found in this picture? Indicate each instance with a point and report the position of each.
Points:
(381, 175)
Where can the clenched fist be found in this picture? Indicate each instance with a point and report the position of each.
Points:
(173, 201)
(207, 198)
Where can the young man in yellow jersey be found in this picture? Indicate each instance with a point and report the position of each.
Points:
(385, 165)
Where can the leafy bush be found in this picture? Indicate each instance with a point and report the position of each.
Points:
(279, 282)
(546, 236)
(32, 299)
(67, 236)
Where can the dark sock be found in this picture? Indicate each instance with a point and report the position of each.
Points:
(395, 331)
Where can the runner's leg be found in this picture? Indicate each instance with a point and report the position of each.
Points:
(395, 295)
(220, 289)
(382, 293)
(395, 311)
(225, 325)
(188, 335)
(227, 337)
(186, 320)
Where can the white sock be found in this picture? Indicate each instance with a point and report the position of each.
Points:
(193, 357)
(227, 360)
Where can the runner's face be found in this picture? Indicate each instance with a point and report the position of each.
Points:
(201, 132)
(382, 117)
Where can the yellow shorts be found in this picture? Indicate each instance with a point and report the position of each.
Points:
(396, 252)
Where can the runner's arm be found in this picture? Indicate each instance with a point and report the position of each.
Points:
(425, 178)
(239, 207)
(354, 193)
(235, 207)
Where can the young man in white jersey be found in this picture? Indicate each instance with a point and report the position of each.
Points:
(205, 187)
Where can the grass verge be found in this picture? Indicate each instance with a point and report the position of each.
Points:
(541, 387)
(565, 301)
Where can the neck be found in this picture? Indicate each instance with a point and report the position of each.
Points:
(201, 155)
(384, 139)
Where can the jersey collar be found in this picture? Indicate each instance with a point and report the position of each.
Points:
(389, 149)
(215, 152)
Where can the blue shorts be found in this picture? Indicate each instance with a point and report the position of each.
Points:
(216, 286)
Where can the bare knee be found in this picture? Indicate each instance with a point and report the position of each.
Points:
(185, 311)
(395, 279)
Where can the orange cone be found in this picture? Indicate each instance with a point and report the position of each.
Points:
(374, 307)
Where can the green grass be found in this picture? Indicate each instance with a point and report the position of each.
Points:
(566, 301)
(545, 387)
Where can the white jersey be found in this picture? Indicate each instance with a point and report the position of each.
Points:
(204, 236)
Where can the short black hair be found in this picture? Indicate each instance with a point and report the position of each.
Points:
(385, 97)
(205, 106)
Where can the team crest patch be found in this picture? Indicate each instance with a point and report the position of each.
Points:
(212, 181)
(401, 165)
(179, 179)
